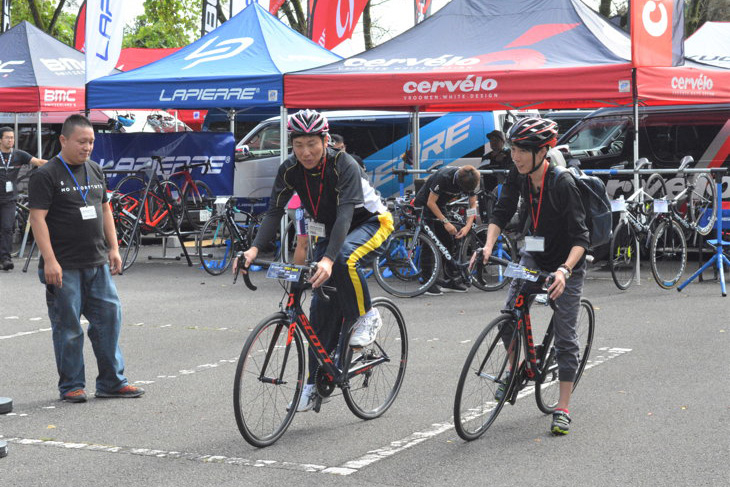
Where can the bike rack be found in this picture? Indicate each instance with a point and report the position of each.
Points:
(719, 259)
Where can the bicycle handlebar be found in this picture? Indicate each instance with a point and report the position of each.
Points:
(306, 269)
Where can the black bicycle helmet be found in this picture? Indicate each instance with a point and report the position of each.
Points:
(534, 133)
(307, 122)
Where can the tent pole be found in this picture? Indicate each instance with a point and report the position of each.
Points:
(634, 89)
(415, 138)
(40, 142)
(16, 125)
(283, 140)
(232, 120)
(176, 121)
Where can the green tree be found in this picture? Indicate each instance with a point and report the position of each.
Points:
(55, 18)
(165, 23)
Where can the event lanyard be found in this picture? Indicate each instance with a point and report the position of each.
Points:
(78, 188)
(321, 187)
(10, 159)
(539, 202)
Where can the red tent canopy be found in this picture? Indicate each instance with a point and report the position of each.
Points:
(492, 54)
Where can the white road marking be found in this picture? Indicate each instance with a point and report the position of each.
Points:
(436, 429)
(24, 333)
(196, 457)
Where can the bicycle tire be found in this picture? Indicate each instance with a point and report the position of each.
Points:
(668, 254)
(125, 238)
(263, 407)
(488, 363)
(17, 232)
(167, 190)
(547, 391)
(492, 274)
(216, 245)
(400, 272)
(622, 255)
(370, 393)
(703, 204)
(194, 202)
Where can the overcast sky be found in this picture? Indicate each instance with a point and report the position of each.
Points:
(395, 16)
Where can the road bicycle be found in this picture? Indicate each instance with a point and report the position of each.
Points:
(494, 360)
(271, 370)
(157, 216)
(414, 257)
(21, 231)
(126, 236)
(636, 227)
(196, 195)
(224, 235)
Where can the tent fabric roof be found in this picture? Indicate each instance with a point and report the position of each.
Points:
(38, 72)
(710, 44)
(493, 54)
(239, 64)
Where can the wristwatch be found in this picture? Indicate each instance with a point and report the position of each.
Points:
(566, 271)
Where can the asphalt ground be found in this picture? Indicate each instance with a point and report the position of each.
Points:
(653, 409)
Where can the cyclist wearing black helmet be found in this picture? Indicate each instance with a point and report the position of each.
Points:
(350, 223)
(556, 241)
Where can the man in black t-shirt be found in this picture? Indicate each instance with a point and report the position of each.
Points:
(441, 187)
(498, 157)
(10, 163)
(74, 229)
(350, 224)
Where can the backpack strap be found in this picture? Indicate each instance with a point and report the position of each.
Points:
(559, 172)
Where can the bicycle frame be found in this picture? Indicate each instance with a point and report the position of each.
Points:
(298, 320)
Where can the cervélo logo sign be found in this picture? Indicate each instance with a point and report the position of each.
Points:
(471, 87)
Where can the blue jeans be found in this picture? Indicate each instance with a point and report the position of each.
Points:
(89, 292)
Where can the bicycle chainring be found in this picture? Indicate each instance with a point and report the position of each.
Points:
(324, 382)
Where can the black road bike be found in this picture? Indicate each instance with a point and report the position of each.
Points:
(494, 360)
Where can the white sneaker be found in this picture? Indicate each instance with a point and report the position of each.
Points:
(366, 328)
(306, 401)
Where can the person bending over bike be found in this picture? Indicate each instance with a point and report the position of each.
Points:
(556, 241)
(440, 188)
(350, 224)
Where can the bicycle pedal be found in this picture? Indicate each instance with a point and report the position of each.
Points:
(317, 404)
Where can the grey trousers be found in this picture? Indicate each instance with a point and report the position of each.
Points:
(565, 317)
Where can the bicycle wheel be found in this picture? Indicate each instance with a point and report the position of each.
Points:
(167, 191)
(216, 245)
(269, 378)
(195, 201)
(622, 255)
(125, 239)
(379, 367)
(668, 252)
(492, 274)
(17, 233)
(407, 268)
(547, 391)
(488, 366)
(703, 204)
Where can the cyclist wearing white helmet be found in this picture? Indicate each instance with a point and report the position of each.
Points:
(556, 241)
(350, 223)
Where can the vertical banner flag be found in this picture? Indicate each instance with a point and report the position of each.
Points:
(104, 33)
(657, 32)
(80, 29)
(209, 21)
(423, 10)
(334, 21)
(4, 16)
(275, 5)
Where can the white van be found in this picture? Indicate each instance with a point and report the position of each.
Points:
(379, 138)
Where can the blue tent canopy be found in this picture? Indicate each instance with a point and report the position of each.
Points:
(238, 65)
